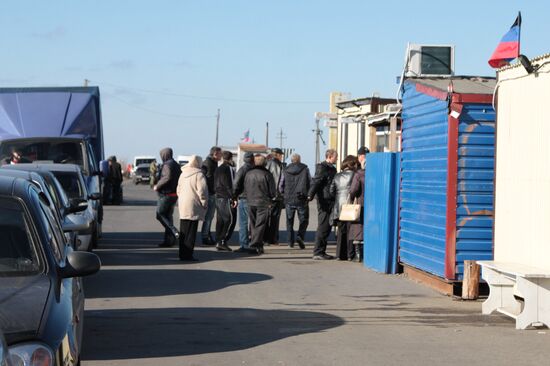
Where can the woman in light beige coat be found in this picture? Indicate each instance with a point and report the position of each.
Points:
(192, 204)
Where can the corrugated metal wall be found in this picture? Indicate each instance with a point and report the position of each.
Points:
(423, 193)
(474, 215)
(381, 197)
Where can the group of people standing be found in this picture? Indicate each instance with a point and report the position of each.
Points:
(256, 193)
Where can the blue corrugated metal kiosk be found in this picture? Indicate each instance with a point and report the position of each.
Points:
(446, 194)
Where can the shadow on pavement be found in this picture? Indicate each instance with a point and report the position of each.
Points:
(192, 331)
(138, 239)
(139, 203)
(115, 283)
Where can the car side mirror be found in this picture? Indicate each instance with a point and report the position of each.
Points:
(94, 196)
(75, 223)
(78, 205)
(80, 264)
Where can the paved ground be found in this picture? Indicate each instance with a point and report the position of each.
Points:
(147, 308)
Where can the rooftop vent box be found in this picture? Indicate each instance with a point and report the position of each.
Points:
(430, 60)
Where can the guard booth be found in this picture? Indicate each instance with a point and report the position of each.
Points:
(447, 168)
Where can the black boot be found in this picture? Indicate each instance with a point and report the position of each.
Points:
(359, 253)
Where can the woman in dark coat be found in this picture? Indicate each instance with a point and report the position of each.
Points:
(355, 235)
(340, 190)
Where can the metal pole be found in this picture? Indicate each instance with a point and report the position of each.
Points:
(217, 126)
(267, 134)
(281, 139)
(86, 82)
(317, 136)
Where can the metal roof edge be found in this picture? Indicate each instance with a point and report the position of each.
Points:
(52, 89)
(518, 64)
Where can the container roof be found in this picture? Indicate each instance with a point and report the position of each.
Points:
(363, 101)
(460, 84)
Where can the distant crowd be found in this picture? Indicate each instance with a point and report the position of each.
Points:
(256, 193)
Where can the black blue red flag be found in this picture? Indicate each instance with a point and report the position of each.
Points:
(508, 48)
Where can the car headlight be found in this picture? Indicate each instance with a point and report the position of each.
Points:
(30, 354)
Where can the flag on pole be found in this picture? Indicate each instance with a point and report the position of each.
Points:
(508, 48)
(246, 137)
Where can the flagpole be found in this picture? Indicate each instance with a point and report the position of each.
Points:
(519, 33)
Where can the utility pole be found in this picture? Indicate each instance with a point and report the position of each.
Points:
(86, 82)
(217, 126)
(267, 134)
(281, 136)
(317, 137)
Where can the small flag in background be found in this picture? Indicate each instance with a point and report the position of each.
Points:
(508, 48)
(246, 137)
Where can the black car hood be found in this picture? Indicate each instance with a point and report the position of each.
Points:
(22, 302)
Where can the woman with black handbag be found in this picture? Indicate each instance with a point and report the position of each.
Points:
(340, 189)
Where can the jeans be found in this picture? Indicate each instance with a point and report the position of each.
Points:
(272, 231)
(244, 240)
(210, 211)
(165, 213)
(303, 220)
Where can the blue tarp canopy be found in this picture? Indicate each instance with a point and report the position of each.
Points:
(42, 112)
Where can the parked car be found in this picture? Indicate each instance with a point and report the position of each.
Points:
(41, 295)
(71, 179)
(183, 159)
(77, 226)
(141, 174)
(139, 160)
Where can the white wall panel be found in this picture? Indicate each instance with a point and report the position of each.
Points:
(522, 199)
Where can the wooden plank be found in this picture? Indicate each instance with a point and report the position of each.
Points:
(517, 269)
(470, 283)
(437, 283)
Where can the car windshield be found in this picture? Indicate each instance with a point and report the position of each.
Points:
(144, 161)
(71, 184)
(66, 152)
(17, 254)
(141, 170)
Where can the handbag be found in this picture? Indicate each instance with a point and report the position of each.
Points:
(350, 211)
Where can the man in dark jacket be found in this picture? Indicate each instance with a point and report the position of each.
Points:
(320, 187)
(295, 186)
(275, 166)
(115, 180)
(226, 207)
(238, 193)
(260, 190)
(209, 167)
(166, 189)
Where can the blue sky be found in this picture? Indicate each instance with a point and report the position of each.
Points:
(152, 59)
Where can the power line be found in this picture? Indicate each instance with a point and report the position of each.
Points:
(203, 97)
(173, 115)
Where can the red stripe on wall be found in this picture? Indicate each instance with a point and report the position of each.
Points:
(452, 171)
(441, 95)
(472, 98)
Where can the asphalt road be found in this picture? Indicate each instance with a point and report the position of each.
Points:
(145, 307)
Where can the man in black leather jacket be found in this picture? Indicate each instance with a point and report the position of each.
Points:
(238, 193)
(209, 167)
(260, 190)
(320, 187)
(166, 189)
